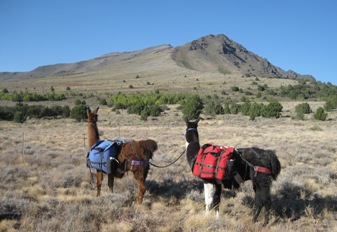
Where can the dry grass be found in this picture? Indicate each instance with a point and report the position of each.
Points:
(49, 188)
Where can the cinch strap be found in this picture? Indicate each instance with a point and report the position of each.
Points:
(262, 169)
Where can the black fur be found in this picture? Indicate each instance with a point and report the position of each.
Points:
(243, 158)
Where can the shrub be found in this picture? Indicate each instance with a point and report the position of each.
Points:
(273, 109)
(20, 112)
(245, 107)
(65, 111)
(210, 108)
(235, 88)
(219, 109)
(331, 104)
(35, 111)
(234, 108)
(192, 107)
(271, 92)
(213, 108)
(155, 110)
(120, 106)
(226, 109)
(79, 112)
(19, 117)
(255, 110)
(320, 114)
(261, 88)
(6, 113)
(302, 109)
(136, 108)
(144, 115)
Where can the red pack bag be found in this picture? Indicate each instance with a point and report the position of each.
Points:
(225, 155)
(211, 161)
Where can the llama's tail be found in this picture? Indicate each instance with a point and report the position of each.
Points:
(275, 165)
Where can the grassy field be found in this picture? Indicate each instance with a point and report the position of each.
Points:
(45, 185)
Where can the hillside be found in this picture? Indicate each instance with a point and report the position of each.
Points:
(212, 54)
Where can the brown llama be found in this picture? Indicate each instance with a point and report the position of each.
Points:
(133, 156)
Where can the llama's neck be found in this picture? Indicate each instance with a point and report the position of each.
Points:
(93, 135)
(192, 146)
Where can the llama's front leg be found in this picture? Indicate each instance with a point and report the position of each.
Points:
(141, 186)
(217, 198)
(212, 197)
(209, 191)
(111, 181)
(99, 176)
(141, 191)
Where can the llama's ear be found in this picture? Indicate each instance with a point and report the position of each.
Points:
(96, 110)
(198, 119)
(88, 110)
(186, 121)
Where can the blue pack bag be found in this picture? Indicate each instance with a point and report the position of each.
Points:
(102, 154)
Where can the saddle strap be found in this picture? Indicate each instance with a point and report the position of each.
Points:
(139, 162)
(262, 169)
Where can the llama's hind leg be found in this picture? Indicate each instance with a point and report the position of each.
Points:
(257, 208)
(266, 202)
(267, 207)
(262, 199)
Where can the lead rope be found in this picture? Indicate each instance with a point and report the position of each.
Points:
(165, 166)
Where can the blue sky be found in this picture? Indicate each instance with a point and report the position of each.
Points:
(300, 35)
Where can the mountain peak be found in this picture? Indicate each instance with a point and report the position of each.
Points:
(218, 53)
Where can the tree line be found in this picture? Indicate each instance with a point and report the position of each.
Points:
(191, 105)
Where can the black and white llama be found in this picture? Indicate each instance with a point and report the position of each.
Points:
(258, 165)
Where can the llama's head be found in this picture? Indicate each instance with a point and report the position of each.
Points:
(192, 124)
(192, 131)
(92, 115)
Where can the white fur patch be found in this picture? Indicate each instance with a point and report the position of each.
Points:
(209, 190)
(186, 145)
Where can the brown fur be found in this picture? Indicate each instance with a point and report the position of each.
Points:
(131, 150)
